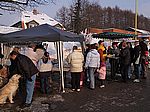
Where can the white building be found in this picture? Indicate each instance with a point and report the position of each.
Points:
(35, 18)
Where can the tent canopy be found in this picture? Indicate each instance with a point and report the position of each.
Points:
(113, 35)
(138, 30)
(41, 33)
(144, 36)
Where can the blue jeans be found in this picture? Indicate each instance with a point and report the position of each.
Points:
(30, 89)
(137, 71)
(87, 76)
(91, 71)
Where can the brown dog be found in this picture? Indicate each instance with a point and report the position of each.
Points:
(9, 90)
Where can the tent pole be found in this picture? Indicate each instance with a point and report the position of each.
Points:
(2, 52)
(60, 60)
(2, 48)
(61, 65)
(58, 57)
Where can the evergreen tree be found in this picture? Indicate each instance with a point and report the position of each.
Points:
(85, 14)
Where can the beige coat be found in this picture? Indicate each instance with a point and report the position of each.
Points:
(75, 59)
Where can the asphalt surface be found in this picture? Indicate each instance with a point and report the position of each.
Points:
(115, 97)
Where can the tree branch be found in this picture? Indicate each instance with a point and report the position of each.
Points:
(11, 1)
(12, 5)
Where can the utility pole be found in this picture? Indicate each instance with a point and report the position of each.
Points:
(136, 16)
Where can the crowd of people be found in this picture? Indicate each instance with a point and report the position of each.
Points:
(122, 58)
(37, 62)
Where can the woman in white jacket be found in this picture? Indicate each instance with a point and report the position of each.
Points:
(92, 63)
(75, 59)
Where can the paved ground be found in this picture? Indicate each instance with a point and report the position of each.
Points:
(115, 97)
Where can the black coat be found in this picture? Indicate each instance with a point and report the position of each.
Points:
(25, 66)
(12, 68)
(125, 57)
(131, 54)
(143, 48)
(137, 52)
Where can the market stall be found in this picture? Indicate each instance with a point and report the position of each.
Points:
(113, 36)
(44, 33)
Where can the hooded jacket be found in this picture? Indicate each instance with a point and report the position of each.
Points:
(93, 59)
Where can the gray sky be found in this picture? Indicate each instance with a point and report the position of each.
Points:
(144, 8)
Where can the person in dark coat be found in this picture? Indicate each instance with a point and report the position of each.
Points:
(131, 59)
(125, 61)
(26, 68)
(144, 50)
(136, 61)
(12, 67)
(114, 60)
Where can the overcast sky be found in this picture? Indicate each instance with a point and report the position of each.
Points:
(143, 8)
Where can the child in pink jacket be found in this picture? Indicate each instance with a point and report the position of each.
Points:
(102, 74)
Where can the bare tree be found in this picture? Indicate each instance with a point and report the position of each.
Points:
(63, 16)
(12, 5)
(83, 14)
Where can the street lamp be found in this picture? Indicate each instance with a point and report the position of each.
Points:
(136, 16)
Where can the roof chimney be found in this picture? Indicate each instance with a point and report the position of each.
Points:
(35, 12)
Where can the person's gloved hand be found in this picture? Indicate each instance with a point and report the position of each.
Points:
(29, 79)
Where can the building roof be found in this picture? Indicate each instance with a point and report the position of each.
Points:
(7, 29)
(139, 31)
(97, 31)
(40, 18)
